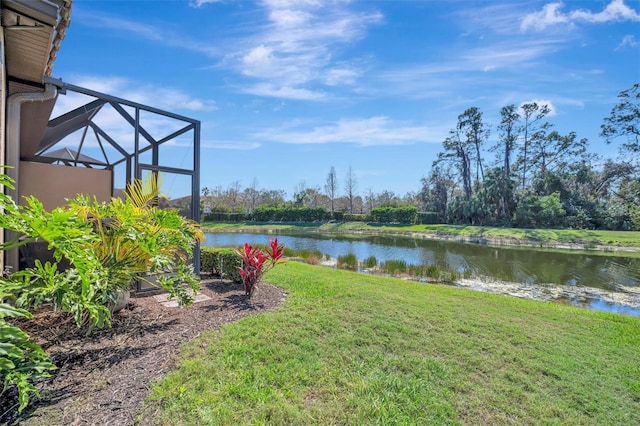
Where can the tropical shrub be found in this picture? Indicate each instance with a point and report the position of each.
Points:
(106, 245)
(21, 360)
(223, 262)
(136, 238)
(255, 262)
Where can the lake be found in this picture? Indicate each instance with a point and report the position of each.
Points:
(591, 280)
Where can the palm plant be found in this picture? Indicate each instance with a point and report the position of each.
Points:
(137, 238)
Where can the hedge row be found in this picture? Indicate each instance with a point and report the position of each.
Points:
(223, 262)
(402, 214)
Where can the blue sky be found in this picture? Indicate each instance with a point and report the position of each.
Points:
(287, 89)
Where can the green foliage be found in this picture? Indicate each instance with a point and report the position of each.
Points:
(77, 290)
(624, 120)
(428, 218)
(390, 214)
(136, 238)
(106, 245)
(348, 261)
(430, 271)
(21, 360)
(353, 217)
(221, 262)
(536, 211)
(289, 214)
(225, 217)
(394, 266)
(370, 262)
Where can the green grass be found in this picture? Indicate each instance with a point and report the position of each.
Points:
(587, 239)
(358, 349)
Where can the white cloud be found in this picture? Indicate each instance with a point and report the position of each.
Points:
(163, 35)
(112, 122)
(551, 15)
(614, 12)
(258, 62)
(165, 98)
(296, 50)
(200, 3)
(374, 131)
(628, 41)
(289, 18)
(283, 92)
(341, 76)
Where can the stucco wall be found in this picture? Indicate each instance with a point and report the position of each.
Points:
(52, 184)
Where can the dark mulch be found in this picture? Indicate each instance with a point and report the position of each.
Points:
(103, 378)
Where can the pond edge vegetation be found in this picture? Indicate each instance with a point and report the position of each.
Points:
(621, 242)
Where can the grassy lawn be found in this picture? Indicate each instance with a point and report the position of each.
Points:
(582, 237)
(357, 349)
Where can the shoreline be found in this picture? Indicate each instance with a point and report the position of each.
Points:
(493, 241)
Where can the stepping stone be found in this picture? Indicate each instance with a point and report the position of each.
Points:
(162, 299)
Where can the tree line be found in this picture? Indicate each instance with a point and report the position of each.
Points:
(530, 175)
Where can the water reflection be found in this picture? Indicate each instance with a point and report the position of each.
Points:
(524, 266)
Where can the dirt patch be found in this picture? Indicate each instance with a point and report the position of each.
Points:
(103, 378)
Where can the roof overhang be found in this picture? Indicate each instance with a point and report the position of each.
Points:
(33, 30)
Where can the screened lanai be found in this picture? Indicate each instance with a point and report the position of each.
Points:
(113, 141)
(97, 143)
(59, 140)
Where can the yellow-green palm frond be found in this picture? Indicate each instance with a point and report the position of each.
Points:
(145, 193)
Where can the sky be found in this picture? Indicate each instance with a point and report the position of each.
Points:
(287, 89)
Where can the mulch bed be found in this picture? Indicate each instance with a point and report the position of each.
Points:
(103, 378)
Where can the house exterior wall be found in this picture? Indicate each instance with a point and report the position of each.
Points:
(3, 102)
(53, 185)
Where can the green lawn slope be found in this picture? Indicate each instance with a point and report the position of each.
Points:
(357, 349)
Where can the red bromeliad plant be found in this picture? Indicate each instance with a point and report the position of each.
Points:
(255, 263)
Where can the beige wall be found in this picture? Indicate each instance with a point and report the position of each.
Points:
(52, 184)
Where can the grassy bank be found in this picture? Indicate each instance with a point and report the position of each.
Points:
(350, 348)
(550, 238)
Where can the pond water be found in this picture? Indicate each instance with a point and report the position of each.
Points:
(591, 280)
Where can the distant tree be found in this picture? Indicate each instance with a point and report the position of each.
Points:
(233, 195)
(370, 198)
(457, 152)
(305, 196)
(387, 198)
(435, 191)
(299, 194)
(476, 132)
(508, 137)
(331, 188)
(252, 195)
(551, 154)
(624, 120)
(272, 198)
(350, 184)
(532, 114)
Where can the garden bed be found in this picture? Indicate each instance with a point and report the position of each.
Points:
(104, 377)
